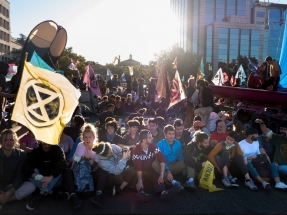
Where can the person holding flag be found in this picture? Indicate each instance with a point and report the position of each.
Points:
(255, 80)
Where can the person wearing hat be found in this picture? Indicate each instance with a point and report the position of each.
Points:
(227, 158)
(250, 150)
(255, 80)
(275, 72)
(280, 141)
(197, 126)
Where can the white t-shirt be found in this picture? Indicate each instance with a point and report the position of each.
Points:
(249, 149)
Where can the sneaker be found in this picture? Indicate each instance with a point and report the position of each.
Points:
(226, 182)
(266, 185)
(34, 202)
(168, 194)
(62, 196)
(181, 188)
(250, 184)
(96, 200)
(116, 190)
(280, 185)
(76, 202)
(233, 180)
(190, 185)
(143, 197)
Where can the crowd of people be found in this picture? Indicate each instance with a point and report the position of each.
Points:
(138, 144)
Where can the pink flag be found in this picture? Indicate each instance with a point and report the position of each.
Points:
(177, 91)
(72, 66)
(74, 61)
(91, 80)
(232, 80)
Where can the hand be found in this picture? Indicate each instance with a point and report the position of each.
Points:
(169, 176)
(253, 156)
(203, 164)
(44, 185)
(139, 185)
(259, 121)
(46, 179)
(126, 154)
(160, 179)
(97, 123)
(7, 195)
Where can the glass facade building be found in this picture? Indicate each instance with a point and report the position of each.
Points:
(222, 30)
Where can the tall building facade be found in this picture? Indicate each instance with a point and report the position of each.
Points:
(222, 30)
(5, 33)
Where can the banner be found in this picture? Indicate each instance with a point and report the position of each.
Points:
(72, 67)
(37, 61)
(241, 74)
(199, 75)
(218, 78)
(232, 80)
(252, 66)
(163, 82)
(202, 68)
(115, 61)
(45, 103)
(91, 80)
(131, 70)
(123, 77)
(109, 73)
(74, 61)
(177, 91)
(206, 177)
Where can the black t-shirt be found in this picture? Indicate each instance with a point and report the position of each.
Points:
(73, 132)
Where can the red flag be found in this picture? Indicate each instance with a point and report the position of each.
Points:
(177, 91)
(91, 80)
(232, 80)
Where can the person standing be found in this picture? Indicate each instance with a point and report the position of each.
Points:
(206, 103)
(151, 90)
(274, 74)
(190, 106)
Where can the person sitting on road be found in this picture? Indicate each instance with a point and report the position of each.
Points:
(156, 132)
(104, 104)
(129, 107)
(44, 168)
(197, 126)
(267, 146)
(109, 113)
(250, 150)
(219, 135)
(144, 154)
(66, 143)
(11, 180)
(280, 142)
(111, 136)
(142, 123)
(75, 130)
(113, 172)
(132, 138)
(28, 142)
(83, 151)
(172, 151)
(195, 157)
(160, 121)
(182, 135)
(227, 157)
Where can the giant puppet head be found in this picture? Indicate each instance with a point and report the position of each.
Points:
(48, 40)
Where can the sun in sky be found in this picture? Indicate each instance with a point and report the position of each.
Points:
(99, 30)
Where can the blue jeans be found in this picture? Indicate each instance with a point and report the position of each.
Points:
(49, 187)
(254, 173)
(282, 169)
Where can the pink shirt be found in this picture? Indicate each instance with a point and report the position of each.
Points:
(30, 142)
(82, 150)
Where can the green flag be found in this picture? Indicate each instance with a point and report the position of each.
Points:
(202, 68)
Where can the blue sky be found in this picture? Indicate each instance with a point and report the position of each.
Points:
(99, 30)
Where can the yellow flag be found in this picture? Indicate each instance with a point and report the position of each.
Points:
(206, 176)
(45, 103)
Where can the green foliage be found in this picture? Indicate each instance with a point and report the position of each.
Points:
(187, 63)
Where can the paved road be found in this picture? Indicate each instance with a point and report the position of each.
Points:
(229, 201)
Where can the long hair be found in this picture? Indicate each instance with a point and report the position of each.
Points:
(4, 135)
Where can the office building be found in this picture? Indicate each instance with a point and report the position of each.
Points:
(222, 30)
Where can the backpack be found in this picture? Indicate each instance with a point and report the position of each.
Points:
(82, 174)
(261, 164)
